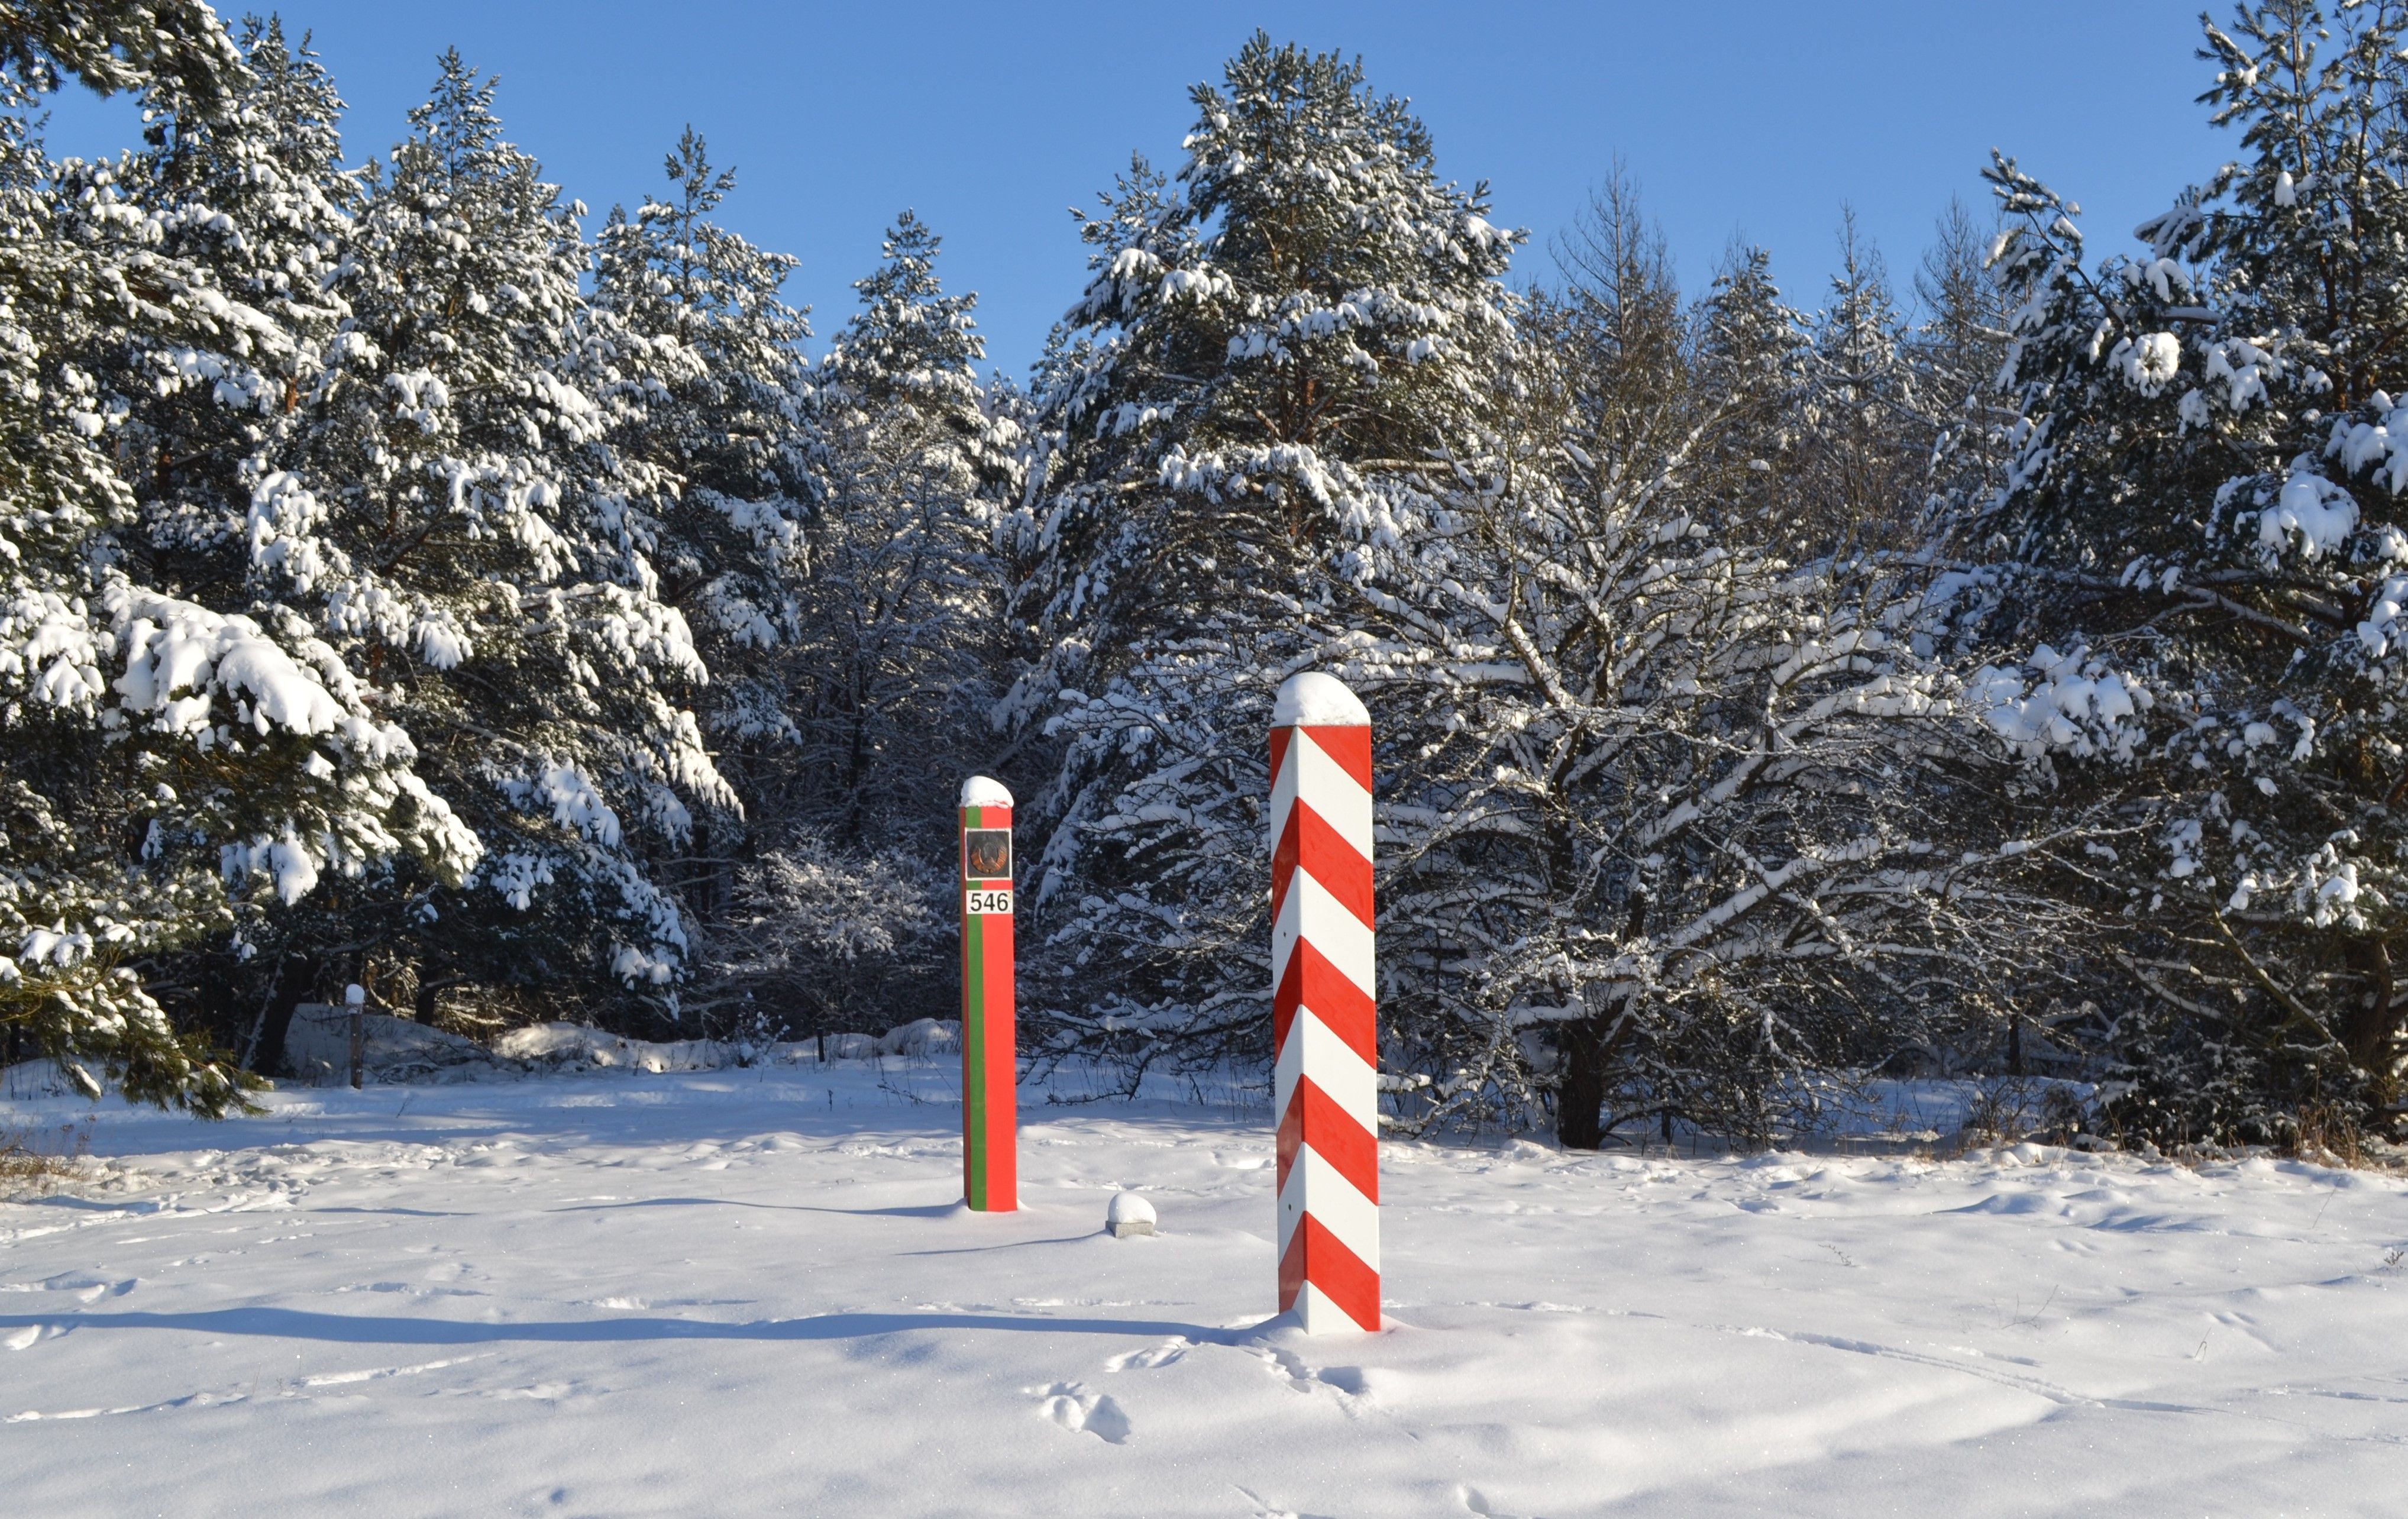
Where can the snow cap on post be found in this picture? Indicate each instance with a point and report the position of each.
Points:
(1314, 700)
(984, 791)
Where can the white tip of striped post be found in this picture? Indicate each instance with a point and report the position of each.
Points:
(984, 791)
(1314, 700)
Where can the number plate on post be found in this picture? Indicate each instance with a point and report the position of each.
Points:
(984, 901)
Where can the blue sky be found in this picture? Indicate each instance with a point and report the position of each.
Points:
(989, 119)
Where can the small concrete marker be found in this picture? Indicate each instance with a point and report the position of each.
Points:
(1128, 1214)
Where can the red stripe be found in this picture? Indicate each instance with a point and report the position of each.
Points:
(1345, 1009)
(1350, 747)
(1279, 752)
(1283, 859)
(1313, 1118)
(1315, 1254)
(1339, 866)
(1002, 1068)
(1291, 1275)
(1307, 839)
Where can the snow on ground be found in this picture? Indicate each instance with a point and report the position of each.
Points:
(752, 1292)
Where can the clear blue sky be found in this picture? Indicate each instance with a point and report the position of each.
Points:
(990, 118)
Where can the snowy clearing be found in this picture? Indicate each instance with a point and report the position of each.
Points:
(752, 1292)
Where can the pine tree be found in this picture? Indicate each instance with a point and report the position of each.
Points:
(889, 680)
(1617, 328)
(2196, 612)
(230, 753)
(449, 503)
(253, 192)
(1307, 304)
(1752, 362)
(719, 399)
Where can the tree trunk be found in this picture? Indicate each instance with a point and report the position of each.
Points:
(2371, 1027)
(1586, 1046)
(297, 986)
(1580, 1089)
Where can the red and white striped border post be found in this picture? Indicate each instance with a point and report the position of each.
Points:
(1328, 1087)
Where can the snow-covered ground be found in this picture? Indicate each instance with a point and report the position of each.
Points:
(751, 1292)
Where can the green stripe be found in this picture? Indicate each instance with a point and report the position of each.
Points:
(974, 1012)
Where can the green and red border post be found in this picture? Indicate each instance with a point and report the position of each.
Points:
(990, 1059)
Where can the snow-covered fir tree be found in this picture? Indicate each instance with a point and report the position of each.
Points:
(1864, 453)
(1750, 356)
(1956, 351)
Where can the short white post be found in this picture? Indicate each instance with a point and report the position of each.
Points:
(1323, 1012)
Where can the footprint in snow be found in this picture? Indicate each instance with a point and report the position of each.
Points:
(1071, 1406)
(1173, 1349)
(1353, 1382)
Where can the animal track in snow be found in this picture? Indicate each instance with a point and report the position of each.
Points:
(1071, 1406)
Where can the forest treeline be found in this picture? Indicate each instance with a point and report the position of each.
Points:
(402, 585)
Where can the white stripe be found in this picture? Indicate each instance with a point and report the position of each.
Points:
(1321, 1189)
(1284, 791)
(1306, 770)
(1310, 1049)
(1329, 791)
(1311, 912)
(1316, 1314)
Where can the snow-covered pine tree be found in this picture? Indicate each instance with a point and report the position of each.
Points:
(1308, 306)
(446, 501)
(157, 750)
(1751, 357)
(893, 669)
(905, 584)
(116, 46)
(719, 399)
(1866, 444)
(1956, 351)
(2198, 612)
